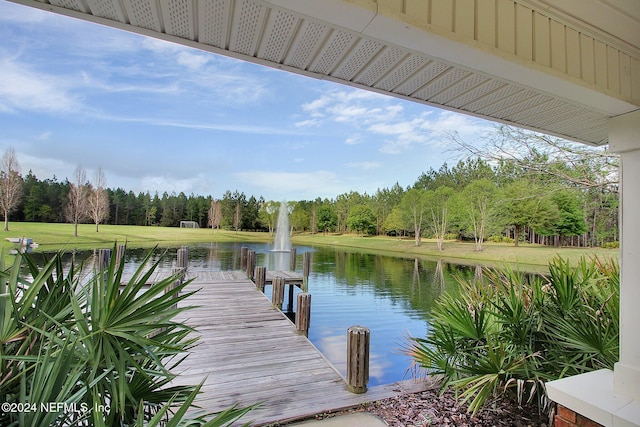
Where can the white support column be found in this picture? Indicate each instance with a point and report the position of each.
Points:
(612, 398)
(624, 138)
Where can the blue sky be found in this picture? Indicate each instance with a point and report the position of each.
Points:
(157, 116)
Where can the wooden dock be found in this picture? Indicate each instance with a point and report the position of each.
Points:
(290, 277)
(249, 352)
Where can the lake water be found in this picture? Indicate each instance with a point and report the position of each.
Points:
(392, 296)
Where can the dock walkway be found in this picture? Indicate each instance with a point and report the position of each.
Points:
(249, 352)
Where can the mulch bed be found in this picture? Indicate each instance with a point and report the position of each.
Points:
(430, 408)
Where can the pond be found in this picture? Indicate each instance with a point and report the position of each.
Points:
(392, 296)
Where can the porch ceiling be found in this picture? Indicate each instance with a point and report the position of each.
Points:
(355, 45)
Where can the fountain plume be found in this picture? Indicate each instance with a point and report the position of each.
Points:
(282, 241)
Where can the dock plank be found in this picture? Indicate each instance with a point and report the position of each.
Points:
(249, 352)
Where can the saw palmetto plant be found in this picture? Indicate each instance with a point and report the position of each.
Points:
(94, 351)
(513, 332)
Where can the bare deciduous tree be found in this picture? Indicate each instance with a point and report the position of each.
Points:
(536, 154)
(98, 199)
(215, 214)
(77, 209)
(10, 185)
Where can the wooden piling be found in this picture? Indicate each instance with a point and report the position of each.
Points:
(243, 257)
(120, 254)
(290, 300)
(104, 256)
(179, 281)
(292, 259)
(306, 264)
(251, 264)
(261, 276)
(303, 313)
(182, 257)
(277, 292)
(358, 339)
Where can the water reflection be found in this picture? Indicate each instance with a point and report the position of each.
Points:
(391, 296)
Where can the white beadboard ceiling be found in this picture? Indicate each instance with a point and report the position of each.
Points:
(259, 31)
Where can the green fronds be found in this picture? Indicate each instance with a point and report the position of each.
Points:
(512, 332)
(101, 347)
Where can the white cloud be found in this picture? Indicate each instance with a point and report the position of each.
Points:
(91, 82)
(353, 140)
(200, 183)
(45, 136)
(192, 61)
(24, 89)
(45, 167)
(295, 185)
(374, 116)
(395, 147)
(363, 165)
(208, 126)
(307, 123)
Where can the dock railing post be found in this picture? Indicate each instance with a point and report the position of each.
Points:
(303, 313)
(120, 254)
(358, 339)
(277, 292)
(306, 268)
(104, 256)
(251, 264)
(182, 257)
(243, 257)
(179, 281)
(292, 259)
(261, 277)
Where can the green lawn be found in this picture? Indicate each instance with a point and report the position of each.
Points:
(53, 237)
(493, 253)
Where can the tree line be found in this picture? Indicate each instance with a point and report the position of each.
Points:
(519, 187)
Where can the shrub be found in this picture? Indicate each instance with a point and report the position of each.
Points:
(93, 345)
(514, 332)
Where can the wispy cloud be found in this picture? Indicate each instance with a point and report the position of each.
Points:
(294, 184)
(375, 116)
(226, 127)
(355, 107)
(363, 165)
(22, 88)
(353, 140)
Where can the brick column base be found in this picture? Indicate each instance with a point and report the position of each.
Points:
(567, 418)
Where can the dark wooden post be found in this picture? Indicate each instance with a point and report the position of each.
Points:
(292, 259)
(120, 254)
(261, 275)
(251, 264)
(358, 338)
(303, 313)
(306, 268)
(104, 256)
(306, 264)
(277, 292)
(243, 257)
(182, 257)
(179, 281)
(290, 300)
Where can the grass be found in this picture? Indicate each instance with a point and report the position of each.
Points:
(53, 237)
(525, 255)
